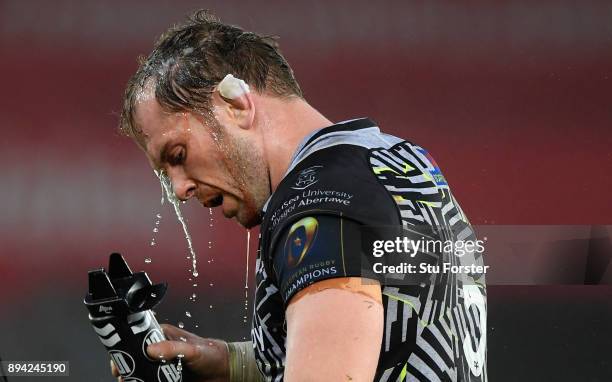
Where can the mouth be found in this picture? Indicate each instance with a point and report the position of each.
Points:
(213, 202)
(226, 202)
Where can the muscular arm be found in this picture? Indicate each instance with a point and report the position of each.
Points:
(334, 331)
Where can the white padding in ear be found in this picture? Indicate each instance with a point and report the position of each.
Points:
(231, 87)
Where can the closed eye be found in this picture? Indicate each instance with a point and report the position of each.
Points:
(177, 156)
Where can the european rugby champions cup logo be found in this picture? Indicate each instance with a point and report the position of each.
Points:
(299, 240)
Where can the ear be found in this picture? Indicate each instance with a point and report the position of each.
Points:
(238, 111)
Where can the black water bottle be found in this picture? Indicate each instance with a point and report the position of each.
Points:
(119, 304)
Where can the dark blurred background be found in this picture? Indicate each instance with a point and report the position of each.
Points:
(513, 99)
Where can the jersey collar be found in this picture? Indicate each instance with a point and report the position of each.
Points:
(348, 125)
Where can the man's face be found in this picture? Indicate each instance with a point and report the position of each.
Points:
(219, 165)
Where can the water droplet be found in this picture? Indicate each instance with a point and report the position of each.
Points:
(197, 326)
(181, 325)
(153, 243)
(155, 229)
(195, 284)
(158, 216)
(148, 260)
(179, 365)
(211, 284)
(246, 275)
(183, 339)
(195, 273)
(193, 296)
(188, 314)
(153, 295)
(210, 306)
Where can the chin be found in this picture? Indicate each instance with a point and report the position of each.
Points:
(248, 219)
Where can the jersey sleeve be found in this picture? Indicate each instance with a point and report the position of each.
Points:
(316, 218)
(316, 248)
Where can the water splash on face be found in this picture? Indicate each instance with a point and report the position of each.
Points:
(168, 194)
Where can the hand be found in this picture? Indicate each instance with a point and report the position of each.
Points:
(205, 359)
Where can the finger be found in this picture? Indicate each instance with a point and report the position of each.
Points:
(171, 349)
(173, 333)
(114, 370)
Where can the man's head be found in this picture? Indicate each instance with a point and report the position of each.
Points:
(207, 144)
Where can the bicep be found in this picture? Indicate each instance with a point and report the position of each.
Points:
(334, 331)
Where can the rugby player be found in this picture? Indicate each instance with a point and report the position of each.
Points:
(218, 110)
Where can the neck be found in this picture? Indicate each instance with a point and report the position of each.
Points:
(285, 123)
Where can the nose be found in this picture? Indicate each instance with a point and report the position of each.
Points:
(183, 187)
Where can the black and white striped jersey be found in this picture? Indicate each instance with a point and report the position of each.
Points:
(351, 175)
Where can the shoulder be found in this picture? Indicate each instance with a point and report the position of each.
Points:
(337, 180)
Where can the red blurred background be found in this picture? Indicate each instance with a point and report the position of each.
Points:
(511, 97)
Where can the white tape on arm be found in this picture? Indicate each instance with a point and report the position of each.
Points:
(242, 364)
